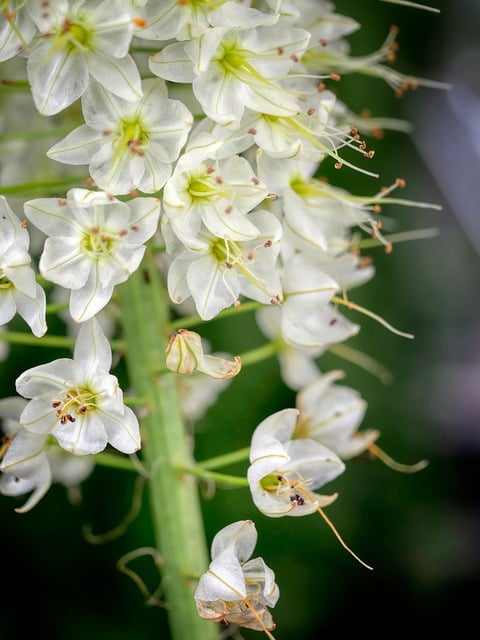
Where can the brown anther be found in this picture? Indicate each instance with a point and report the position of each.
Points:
(268, 244)
(62, 202)
(70, 418)
(321, 87)
(24, 224)
(335, 76)
(134, 227)
(236, 304)
(255, 181)
(323, 42)
(83, 409)
(377, 208)
(388, 248)
(294, 57)
(363, 145)
(252, 131)
(310, 111)
(333, 321)
(228, 209)
(139, 22)
(133, 193)
(280, 50)
(218, 180)
(110, 197)
(210, 169)
(366, 261)
(378, 133)
(122, 233)
(338, 165)
(107, 132)
(90, 182)
(229, 265)
(56, 403)
(400, 182)
(250, 255)
(391, 56)
(10, 15)
(369, 154)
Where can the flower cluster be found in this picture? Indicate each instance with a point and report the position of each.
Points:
(203, 130)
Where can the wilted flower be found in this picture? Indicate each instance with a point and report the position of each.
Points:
(236, 589)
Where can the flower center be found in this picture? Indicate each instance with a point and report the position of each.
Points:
(98, 243)
(4, 282)
(77, 401)
(292, 491)
(131, 136)
(75, 34)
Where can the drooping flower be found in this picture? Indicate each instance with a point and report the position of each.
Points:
(235, 588)
(127, 144)
(284, 473)
(78, 39)
(95, 242)
(19, 291)
(78, 401)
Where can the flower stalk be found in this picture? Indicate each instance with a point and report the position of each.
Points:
(174, 502)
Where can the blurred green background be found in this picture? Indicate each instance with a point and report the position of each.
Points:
(420, 532)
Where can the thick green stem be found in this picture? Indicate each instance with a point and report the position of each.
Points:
(174, 500)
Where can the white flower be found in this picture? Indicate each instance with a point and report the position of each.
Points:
(331, 414)
(308, 317)
(95, 243)
(218, 194)
(236, 589)
(221, 270)
(127, 144)
(234, 64)
(78, 401)
(78, 39)
(283, 472)
(19, 291)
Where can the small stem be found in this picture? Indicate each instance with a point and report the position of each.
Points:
(225, 459)
(363, 361)
(263, 352)
(194, 320)
(217, 478)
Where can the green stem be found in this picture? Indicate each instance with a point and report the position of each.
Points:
(218, 478)
(174, 499)
(225, 459)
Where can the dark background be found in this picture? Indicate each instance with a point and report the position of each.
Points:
(420, 532)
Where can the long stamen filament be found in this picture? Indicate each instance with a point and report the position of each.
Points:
(393, 464)
(340, 539)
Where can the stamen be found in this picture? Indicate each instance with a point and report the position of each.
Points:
(393, 464)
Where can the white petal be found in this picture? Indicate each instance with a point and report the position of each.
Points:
(92, 350)
(120, 76)
(123, 431)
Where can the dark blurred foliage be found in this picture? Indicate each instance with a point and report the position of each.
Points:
(420, 532)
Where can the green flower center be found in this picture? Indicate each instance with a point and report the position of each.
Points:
(131, 136)
(98, 243)
(4, 282)
(75, 35)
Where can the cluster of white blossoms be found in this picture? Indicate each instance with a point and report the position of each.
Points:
(203, 126)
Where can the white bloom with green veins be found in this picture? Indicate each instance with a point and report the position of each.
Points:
(95, 242)
(78, 401)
